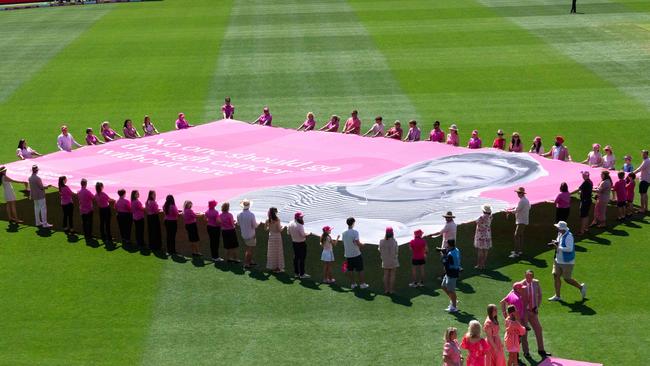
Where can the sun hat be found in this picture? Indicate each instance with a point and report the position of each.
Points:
(515, 134)
(487, 209)
(627, 157)
(644, 151)
(608, 148)
(418, 233)
(212, 204)
(449, 215)
(327, 229)
(595, 146)
(453, 127)
(245, 203)
(499, 132)
(298, 215)
(559, 139)
(562, 225)
(521, 190)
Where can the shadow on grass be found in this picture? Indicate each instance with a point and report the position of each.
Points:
(13, 227)
(579, 307)
(72, 238)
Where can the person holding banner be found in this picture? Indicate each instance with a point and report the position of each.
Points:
(298, 235)
(265, 119)
(332, 125)
(309, 124)
(10, 196)
(25, 152)
(229, 234)
(65, 194)
(37, 194)
(353, 124)
(171, 223)
(377, 129)
(414, 132)
(65, 141)
(452, 136)
(214, 230)
(248, 226)
(395, 132)
(124, 217)
(86, 198)
(275, 252)
(437, 135)
(227, 110)
(129, 131)
(148, 128)
(91, 139)
(181, 123)
(153, 221)
(137, 209)
(474, 141)
(108, 133)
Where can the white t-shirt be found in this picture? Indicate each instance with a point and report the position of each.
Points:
(351, 249)
(448, 232)
(297, 232)
(247, 224)
(522, 211)
(644, 169)
(377, 128)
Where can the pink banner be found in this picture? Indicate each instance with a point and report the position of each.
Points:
(554, 361)
(327, 176)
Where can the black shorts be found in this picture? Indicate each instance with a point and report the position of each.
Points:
(585, 206)
(643, 187)
(621, 203)
(355, 264)
(229, 239)
(192, 232)
(418, 262)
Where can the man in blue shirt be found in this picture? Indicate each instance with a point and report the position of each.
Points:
(451, 261)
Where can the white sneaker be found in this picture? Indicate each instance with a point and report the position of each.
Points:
(218, 259)
(46, 225)
(364, 285)
(305, 276)
(353, 286)
(452, 309)
(583, 290)
(513, 254)
(333, 280)
(554, 298)
(413, 284)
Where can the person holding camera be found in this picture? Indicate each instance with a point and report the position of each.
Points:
(564, 261)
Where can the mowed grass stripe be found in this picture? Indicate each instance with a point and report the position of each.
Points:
(29, 39)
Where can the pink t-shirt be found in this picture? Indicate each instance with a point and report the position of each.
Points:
(182, 124)
(172, 213)
(122, 205)
(515, 148)
(212, 216)
(452, 139)
(499, 143)
(92, 140)
(332, 126)
(629, 187)
(621, 192)
(563, 200)
(265, 119)
(437, 136)
(108, 134)
(102, 200)
(228, 110)
(309, 124)
(189, 217)
(85, 201)
(151, 207)
(399, 131)
(474, 143)
(227, 221)
(452, 351)
(418, 247)
(130, 132)
(518, 302)
(66, 195)
(137, 209)
(413, 135)
(353, 126)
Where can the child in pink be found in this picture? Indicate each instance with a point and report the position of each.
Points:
(452, 136)
(499, 142)
(265, 119)
(451, 350)
(476, 346)
(332, 125)
(309, 124)
(630, 182)
(514, 330)
(353, 124)
(91, 139)
(189, 217)
(228, 110)
(419, 254)
(474, 141)
(181, 123)
(621, 195)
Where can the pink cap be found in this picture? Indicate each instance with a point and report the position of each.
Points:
(475, 132)
(418, 233)
(212, 204)
(298, 215)
(327, 229)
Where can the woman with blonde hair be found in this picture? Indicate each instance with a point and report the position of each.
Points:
(275, 251)
(476, 346)
(451, 355)
(10, 196)
(309, 124)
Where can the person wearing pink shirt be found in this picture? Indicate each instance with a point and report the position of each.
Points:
(332, 125)
(452, 136)
(66, 204)
(124, 217)
(153, 221)
(537, 147)
(451, 355)
(630, 182)
(474, 141)
(148, 127)
(514, 330)
(609, 160)
(476, 346)
(171, 223)
(309, 124)
(419, 253)
(227, 110)
(214, 230)
(181, 122)
(594, 159)
(437, 135)
(229, 234)
(353, 124)
(91, 139)
(562, 203)
(265, 119)
(189, 218)
(86, 198)
(515, 143)
(414, 132)
(129, 131)
(137, 210)
(621, 195)
(494, 356)
(108, 133)
(395, 132)
(499, 142)
(104, 204)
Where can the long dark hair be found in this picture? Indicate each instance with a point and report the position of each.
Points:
(169, 201)
(62, 180)
(491, 309)
(150, 195)
(126, 121)
(324, 237)
(21, 144)
(536, 146)
(133, 194)
(516, 141)
(99, 187)
(273, 214)
(564, 187)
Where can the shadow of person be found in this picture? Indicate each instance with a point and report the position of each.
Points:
(617, 232)
(110, 245)
(579, 307)
(580, 248)
(536, 262)
(307, 283)
(364, 294)
(283, 277)
(72, 238)
(531, 360)
(465, 288)
(258, 275)
(463, 316)
(145, 252)
(179, 258)
(159, 254)
(198, 261)
(401, 300)
(92, 242)
(595, 239)
(12, 227)
(336, 287)
(44, 232)
(130, 247)
(492, 274)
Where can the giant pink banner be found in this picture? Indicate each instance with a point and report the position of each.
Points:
(328, 176)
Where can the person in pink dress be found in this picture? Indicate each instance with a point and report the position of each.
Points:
(24, 152)
(265, 119)
(108, 133)
(227, 110)
(124, 217)
(353, 124)
(476, 346)
(483, 236)
(229, 234)
(452, 136)
(181, 122)
(395, 132)
(129, 131)
(558, 151)
(499, 142)
(66, 205)
(332, 125)
(630, 183)
(137, 210)
(603, 195)
(451, 355)
(514, 330)
(86, 198)
(91, 139)
(515, 143)
(419, 253)
(474, 141)
(309, 124)
(537, 147)
(437, 135)
(189, 218)
(148, 127)
(594, 159)
(562, 203)
(621, 196)
(495, 357)
(414, 132)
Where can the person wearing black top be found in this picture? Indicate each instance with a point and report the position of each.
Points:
(573, 7)
(586, 189)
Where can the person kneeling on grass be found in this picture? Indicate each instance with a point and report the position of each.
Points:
(419, 252)
(352, 251)
(451, 260)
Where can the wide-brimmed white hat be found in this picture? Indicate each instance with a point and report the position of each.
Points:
(245, 203)
(487, 209)
(562, 225)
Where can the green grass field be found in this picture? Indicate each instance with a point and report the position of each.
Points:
(487, 64)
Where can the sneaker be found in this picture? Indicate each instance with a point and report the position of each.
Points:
(332, 280)
(420, 284)
(554, 298)
(513, 254)
(520, 253)
(364, 285)
(46, 226)
(353, 286)
(452, 309)
(583, 290)
(413, 284)
(305, 276)
(218, 259)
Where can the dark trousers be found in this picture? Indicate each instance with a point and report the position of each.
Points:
(573, 6)
(155, 241)
(105, 222)
(171, 227)
(67, 215)
(125, 222)
(139, 232)
(87, 223)
(299, 256)
(214, 232)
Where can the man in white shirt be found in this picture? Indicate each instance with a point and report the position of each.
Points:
(644, 180)
(248, 225)
(377, 130)
(522, 213)
(65, 140)
(565, 254)
(296, 230)
(352, 253)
